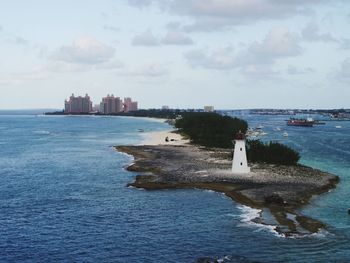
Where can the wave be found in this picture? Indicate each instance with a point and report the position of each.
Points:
(226, 259)
(248, 215)
(42, 132)
(136, 188)
(209, 191)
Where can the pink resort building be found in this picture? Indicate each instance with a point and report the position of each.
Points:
(111, 104)
(78, 104)
(130, 105)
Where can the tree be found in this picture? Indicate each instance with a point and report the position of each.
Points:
(210, 129)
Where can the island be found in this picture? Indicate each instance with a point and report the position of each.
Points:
(277, 189)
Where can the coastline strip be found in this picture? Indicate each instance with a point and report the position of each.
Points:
(159, 138)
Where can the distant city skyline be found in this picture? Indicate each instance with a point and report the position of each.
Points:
(109, 104)
(230, 54)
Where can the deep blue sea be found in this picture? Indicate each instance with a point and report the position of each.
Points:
(63, 198)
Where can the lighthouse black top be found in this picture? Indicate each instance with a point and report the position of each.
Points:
(239, 136)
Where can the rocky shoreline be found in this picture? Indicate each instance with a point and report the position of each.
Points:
(275, 189)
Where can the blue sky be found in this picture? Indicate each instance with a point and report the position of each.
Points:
(181, 53)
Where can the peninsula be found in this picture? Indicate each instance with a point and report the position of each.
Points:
(275, 189)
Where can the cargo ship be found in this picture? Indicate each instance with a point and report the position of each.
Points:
(301, 122)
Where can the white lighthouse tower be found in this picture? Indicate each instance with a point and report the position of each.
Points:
(239, 163)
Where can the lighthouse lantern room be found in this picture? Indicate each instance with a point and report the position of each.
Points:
(239, 162)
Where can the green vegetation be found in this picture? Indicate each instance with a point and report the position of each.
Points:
(210, 129)
(152, 113)
(272, 152)
(215, 130)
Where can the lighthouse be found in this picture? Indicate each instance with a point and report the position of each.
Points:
(239, 162)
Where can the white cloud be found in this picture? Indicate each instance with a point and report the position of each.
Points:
(145, 39)
(311, 33)
(174, 37)
(218, 14)
(255, 59)
(140, 3)
(279, 42)
(84, 50)
(260, 71)
(12, 38)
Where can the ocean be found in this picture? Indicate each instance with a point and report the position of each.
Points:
(63, 198)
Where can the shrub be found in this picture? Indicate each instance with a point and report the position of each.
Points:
(272, 152)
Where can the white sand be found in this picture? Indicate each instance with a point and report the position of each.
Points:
(158, 138)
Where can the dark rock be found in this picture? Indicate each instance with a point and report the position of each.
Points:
(274, 199)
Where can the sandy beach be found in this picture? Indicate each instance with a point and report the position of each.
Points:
(159, 138)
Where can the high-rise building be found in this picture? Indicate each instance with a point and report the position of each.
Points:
(208, 108)
(111, 104)
(78, 104)
(130, 105)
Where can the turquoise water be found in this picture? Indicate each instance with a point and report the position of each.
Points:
(63, 198)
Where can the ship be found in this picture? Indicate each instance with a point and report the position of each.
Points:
(301, 122)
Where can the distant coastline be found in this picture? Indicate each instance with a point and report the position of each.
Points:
(323, 114)
(154, 113)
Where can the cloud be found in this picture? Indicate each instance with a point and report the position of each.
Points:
(84, 50)
(260, 71)
(256, 58)
(174, 37)
(218, 59)
(220, 14)
(311, 33)
(293, 70)
(12, 38)
(145, 39)
(279, 43)
(140, 3)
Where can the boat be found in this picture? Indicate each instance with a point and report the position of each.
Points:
(285, 134)
(257, 132)
(301, 122)
(338, 127)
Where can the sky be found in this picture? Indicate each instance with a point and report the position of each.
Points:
(232, 54)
